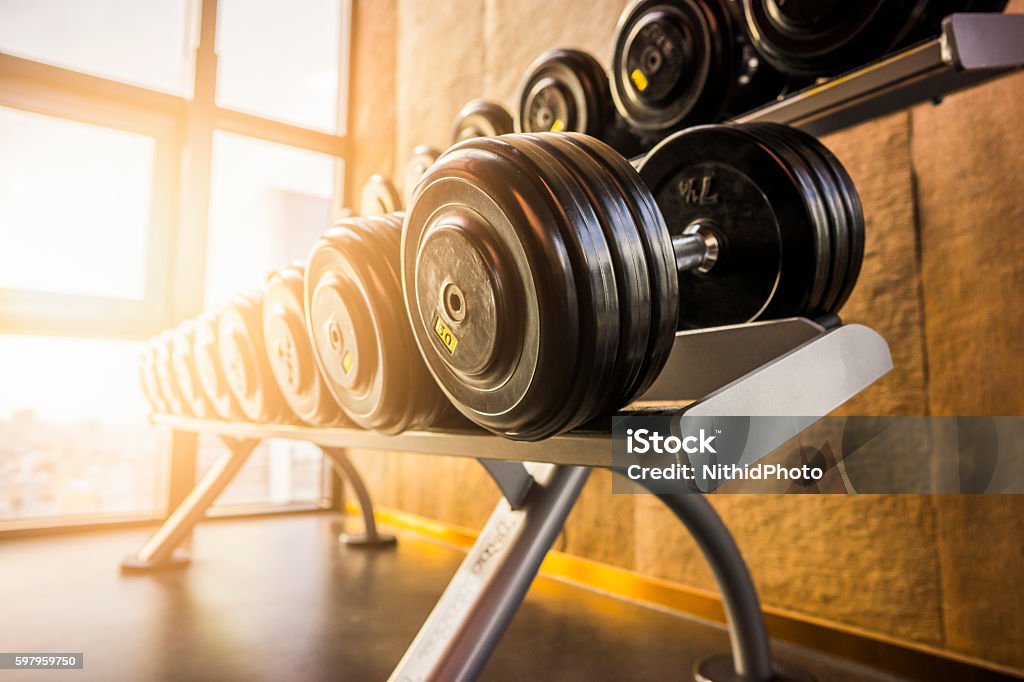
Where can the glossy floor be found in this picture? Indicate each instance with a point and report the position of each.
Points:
(279, 599)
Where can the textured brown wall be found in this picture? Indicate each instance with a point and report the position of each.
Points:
(942, 281)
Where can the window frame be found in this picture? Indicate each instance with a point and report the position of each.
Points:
(182, 128)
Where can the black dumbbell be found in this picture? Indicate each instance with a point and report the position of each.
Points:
(243, 357)
(163, 360)
(186, 373)
(419, 161)
(149, 381)
(545, 277)
(210, 373)
(677, 63)
(481, 118)
(379, 196)
(289, 351)
(567, 91)
(357, 323)
(827, 37)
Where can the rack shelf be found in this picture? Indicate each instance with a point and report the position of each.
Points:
(972, 48)
(786, 367)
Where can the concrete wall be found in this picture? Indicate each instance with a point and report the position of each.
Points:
(942, 281)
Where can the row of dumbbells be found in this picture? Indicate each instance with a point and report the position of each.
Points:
(253, 359)
(679, 63)
(535, 283)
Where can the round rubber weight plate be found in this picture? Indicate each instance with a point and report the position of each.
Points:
(728, 178)
(149, 380)
(672, 63)
(503, 222)
(379, 196)
(659, 260)
(290, 353)
(183, 357)
(244, 359)
(164, 363)
(822, 195)
(481, 118)
(629, 264)
(419, 161)
(564, 90)
(854, 213)
(210, 371)
(821, 38)
(359, 331)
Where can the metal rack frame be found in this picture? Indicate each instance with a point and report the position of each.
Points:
(972, 48)
(792, 366)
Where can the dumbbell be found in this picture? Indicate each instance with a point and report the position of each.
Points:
(379, 196)
(677, 63)
(210, 373)
(356, 320)
(827, 37)
(163, 361)
(566, 90)
(480, 118)
(186, 373)
(545, 277)
(419, 161)
(289, 351)
(243, 357)
(149, 381)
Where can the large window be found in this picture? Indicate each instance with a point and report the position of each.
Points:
(74, 206)
(156, 156)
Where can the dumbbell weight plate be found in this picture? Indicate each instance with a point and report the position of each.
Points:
(185, 372)
(209, 370)
(164, 362)
(853, 210)
(807, 173)
(775, 252)
(609, 278)
(359, 330)
(243, 357)
(480, 118)
(379, 196)
(420, 160)
(835, 195)
(149, 381)
(673, 62)
(544, 249)
(659, 257)
(817, 38)
(642, 277)
(563, 91)
(289, 351)
(478, 294)
(854, 219)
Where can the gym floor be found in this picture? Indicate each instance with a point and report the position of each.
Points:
(277, 598)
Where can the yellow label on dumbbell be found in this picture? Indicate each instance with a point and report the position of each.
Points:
(445, 334)
(346, 362)
(639, 79)
(558, 126)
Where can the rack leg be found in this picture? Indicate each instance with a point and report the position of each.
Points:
(751, 659)
(370, 537)
(479, 602)
(161, 550)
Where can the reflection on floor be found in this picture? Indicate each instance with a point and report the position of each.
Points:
(279, 599)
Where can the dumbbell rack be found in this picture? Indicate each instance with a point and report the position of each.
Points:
(785, 367)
